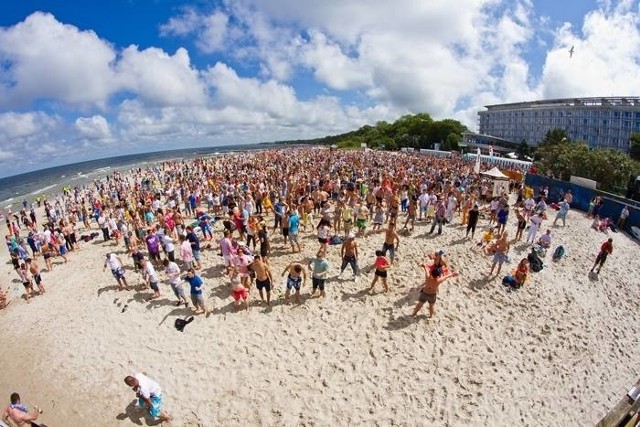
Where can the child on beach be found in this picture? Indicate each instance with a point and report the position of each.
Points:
(487, 237)
(378, 218)
(25, 278)
(238, 290)
(382, 265)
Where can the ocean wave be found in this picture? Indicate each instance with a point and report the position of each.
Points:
(100, 170)
(43, 189)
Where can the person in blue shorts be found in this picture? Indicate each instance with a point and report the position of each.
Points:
(149, 395)
(296, 278)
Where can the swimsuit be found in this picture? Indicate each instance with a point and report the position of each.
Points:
(293, 282)
(425, 297)
(263, 284)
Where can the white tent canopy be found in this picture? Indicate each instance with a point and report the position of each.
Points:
(495, 174)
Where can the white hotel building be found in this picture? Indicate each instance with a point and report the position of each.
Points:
(600, 122)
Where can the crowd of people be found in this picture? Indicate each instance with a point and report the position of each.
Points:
(242, 210)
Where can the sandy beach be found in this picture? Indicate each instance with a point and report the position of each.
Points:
(558, 351)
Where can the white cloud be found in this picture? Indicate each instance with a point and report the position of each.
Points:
(332, 66)
(50, 60)
(359, 62)
(16, 128)
(210, 30)
(95, 127)
(607, 55)
(159, 78)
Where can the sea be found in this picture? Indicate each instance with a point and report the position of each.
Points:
(49, 182)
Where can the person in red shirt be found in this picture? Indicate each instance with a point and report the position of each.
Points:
(605, 250)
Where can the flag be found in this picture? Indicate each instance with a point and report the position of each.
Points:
(476, 168)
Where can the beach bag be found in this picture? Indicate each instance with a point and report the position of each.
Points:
(558, 253)
(510, 281)
(535, 262)
(335, 240)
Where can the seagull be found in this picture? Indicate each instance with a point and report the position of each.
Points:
(571, 52)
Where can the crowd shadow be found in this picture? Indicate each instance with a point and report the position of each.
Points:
(408, 298)
(346, 296)
(107, 289)
(479, 284)
(177, 312)
(137, 415)
(401, 322)
(212, 272)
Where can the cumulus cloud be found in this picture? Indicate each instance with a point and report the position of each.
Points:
(46, 59)
(607, 55)
(210, 29)
(94, 128)
(322, 68)
(159, 78)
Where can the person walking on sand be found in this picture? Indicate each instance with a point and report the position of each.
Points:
(264, 278)
(17, 413)
(624, 214)
(433, 278)
(296, 278)
(391, 241)
(319, 267)
(349, 255)
(605, 250)
(149, 395)
(196, 284)
(34, 269)
(150, 276)
(382, 266)
(562, 212)
(535, 221)
(172, 271)
(115, 264)
(502, 246)
(440, 211)
(472, 221)
(238, 290)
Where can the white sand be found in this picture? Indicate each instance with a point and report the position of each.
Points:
(557, 352)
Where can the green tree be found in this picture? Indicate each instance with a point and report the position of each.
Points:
(452, 143)
(634, 146)
(554, 137)
(523, 150)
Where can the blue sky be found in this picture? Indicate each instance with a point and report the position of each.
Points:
(117, 77)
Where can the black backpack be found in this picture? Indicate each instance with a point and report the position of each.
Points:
(535, 262)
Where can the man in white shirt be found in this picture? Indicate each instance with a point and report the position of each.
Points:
(545, 240)
(424, 202)
(172, 271)
(149, 394)
(115, 264)
(151, 277)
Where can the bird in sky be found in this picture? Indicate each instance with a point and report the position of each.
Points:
(571, 52)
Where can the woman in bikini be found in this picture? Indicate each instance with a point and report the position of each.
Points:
(382, 265)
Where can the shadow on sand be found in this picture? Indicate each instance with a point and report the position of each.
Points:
(137, 415)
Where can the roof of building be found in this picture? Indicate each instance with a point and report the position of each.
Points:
(614, 101)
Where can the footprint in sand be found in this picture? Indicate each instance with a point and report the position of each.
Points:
(124, 308)
(115, 300)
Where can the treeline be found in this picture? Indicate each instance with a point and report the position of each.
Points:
(416, 131)
(559, 157)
